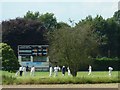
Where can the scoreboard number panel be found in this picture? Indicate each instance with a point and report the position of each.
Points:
(33, 50)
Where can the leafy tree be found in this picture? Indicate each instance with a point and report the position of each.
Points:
(100, 25)
(72, 47)
(62, 25)
(107, 32)
(9, 60)
(113, 34)
(49, 21)
(87, 20)
(116, 16)
(31, 15)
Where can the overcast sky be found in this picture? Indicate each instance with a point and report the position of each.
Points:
(62, 10)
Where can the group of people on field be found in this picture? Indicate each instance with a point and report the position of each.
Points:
(57, 68)
(24, 70)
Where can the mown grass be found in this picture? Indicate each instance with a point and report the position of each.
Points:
(43, 78)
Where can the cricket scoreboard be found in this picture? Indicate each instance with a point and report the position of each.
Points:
(34, 55)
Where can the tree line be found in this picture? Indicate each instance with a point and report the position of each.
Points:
(34, 28)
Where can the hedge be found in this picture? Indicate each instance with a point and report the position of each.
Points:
(102, 64)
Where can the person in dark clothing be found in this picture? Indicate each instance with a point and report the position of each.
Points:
(27, 68)
(63, 70)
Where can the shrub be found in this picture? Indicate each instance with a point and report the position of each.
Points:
(8, 79)
(9, 60)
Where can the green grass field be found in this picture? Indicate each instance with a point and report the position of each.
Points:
(43, 78)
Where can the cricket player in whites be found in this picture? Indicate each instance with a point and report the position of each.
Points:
(68, 71)
(56, 68)
(51, 70)
(110, 70)
(90, 70)
(24, 70)
(32, 72)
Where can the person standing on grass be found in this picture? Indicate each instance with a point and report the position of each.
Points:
(27, 69)
(63, 70)
(56, 68)
(51, 70)
(32, 72)
(21, 70)
(68, 71)
(90, 70)
(110, 70)
(24, 70)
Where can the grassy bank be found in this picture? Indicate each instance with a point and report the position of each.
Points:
(43, 78)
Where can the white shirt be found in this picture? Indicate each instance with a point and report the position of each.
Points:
(110, 68)
(56, 69)
(33, 69)
(21, 69)
(90, 67)
(50, 69)
(24, 69)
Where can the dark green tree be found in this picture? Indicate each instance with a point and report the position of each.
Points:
(113, 34)
(9, 60)
(108, 32)
(31, 15)
(49, 21)
(62, 25)
(116, 16)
